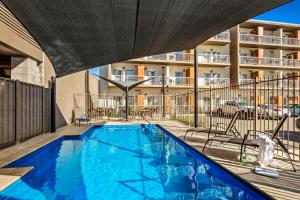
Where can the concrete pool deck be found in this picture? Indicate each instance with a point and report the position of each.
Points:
(287, 186)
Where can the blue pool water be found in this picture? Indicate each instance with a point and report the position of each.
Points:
(124, 162)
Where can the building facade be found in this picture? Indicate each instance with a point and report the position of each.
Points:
(253, 49)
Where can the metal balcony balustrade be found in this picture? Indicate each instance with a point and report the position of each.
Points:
(274, 62)
(213, 82)
(174, 56)
(265, 39)
(173, 81)
(222, 36)
(188, 57)
(281, 83)
(213, 59)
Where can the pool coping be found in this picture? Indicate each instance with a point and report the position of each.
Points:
(12, 178)
(9, 175)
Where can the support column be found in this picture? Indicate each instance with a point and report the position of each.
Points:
(126, 102)
(234, 73)
(163, 93)
(196, 87)
(53, 104)
(123, 74)
(280, 34)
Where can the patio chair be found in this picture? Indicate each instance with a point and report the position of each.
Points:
(80, 117)
(244, 142)
(83, 118)
(218, 129)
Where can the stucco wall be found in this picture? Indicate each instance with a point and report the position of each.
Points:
(66, 87)
(93, 84)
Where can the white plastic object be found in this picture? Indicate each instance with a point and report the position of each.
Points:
(266, 172)
(266, 150)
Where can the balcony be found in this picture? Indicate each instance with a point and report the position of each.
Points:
(174, 56)
(269, 40)
(214, 59)
(173, 81)
(269, 62)
(180, 81)
(186, 58)
(213, 82)
(222, 38)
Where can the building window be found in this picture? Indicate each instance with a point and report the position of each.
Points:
(243, 76)
(151, 73)
(179, 78)
(117, 72)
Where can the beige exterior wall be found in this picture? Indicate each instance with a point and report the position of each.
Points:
(93, 84)
(66, 87)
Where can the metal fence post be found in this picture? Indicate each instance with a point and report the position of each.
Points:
(210, 106)
(255, 106)
(15, 114)
(196, 87)
(163, 95)
(53, 105)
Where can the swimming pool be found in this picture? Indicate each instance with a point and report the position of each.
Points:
(124, 162)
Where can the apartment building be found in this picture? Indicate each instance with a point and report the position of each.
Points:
(266, 49)
(253, 49)
(177, 67)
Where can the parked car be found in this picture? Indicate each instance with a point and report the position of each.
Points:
(230, 107)
(269, 111)
(294, 109)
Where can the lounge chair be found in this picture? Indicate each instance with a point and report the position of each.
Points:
(244, 142)
(218, 129)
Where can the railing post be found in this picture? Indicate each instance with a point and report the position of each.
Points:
(163, 94)
(126, 104)
(196, 87)
(175, 106)
(16, 107)
(255, 106)
(53, 104)
(210, 106)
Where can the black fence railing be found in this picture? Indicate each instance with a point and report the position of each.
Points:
(262, 103)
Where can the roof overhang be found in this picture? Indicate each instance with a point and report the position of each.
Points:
(80, 34)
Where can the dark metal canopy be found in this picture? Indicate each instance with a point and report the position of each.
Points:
(80, 34)
(126, 87)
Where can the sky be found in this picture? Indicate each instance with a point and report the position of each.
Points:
(288, 13)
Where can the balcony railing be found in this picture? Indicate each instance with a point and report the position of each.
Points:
(265, 39)
(213, 59)
(189, 57)
(180, 81)
(213, 82)
(222, 36)
(274, 62)
(173, 81)
(174, 56)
